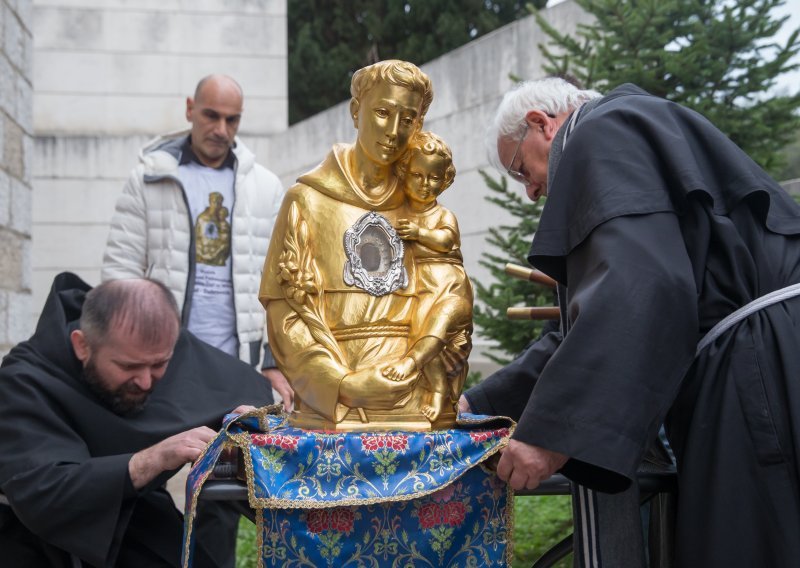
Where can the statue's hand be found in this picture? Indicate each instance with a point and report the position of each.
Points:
(407, 230)
(368, 388)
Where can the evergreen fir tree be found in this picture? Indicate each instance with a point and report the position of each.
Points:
(328, 41)
(512, 242)
(715, 56)
(718, 57)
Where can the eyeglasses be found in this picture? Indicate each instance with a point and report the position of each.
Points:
(515, 174)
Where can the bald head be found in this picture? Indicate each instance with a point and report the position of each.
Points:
(217, 82)
(215, 112)
(138, 308)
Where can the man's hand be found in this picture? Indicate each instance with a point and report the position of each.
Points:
(171, 453)
(524, 466)
(463, 405)
(368, 388)
(280, 384)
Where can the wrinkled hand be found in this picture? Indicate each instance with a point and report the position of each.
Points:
(368, 388)
(243, 409)
(463, 405)
(168, 454)
(282, 386)
(524, 466)
(407, 230)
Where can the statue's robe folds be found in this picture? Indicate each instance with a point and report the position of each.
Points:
(366, 330)
(445, 292)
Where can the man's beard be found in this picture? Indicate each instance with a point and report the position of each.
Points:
(120, 401)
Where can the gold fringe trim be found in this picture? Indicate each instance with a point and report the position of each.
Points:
(242, 441)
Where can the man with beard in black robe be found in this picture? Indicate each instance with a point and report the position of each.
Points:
(98, 409)
(657, 227)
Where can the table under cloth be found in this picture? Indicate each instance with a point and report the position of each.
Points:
(325, 498)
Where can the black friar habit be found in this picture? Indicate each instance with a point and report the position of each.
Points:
(64, 456)
(659, 226)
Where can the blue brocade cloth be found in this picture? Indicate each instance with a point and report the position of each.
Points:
(367, 498)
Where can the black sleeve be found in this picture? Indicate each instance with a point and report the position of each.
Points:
(78, 507)
(506, 392)
(268, 361)
(61, 493)
(632, 310)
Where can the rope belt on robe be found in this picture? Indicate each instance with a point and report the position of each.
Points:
(588, 533)
(371, 330)
(758, 304)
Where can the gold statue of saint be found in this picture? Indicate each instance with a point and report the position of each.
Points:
(372, 332)
(212, 232)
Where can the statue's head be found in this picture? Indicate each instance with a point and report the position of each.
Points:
(393, 72)
(390, 99)
(426, 168)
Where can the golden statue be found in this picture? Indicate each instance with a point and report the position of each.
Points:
(370, 335)
(212, 232)
(441, 335)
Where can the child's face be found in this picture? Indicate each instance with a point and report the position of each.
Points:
(425, 177)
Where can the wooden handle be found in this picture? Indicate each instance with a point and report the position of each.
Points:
(531, 274)
(543, 313)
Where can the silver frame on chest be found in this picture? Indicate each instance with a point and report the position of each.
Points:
(373, 229)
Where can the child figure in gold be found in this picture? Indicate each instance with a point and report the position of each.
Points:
(442, 326)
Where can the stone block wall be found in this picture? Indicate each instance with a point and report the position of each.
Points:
(112, 74)
(124, 67)
(16, 150)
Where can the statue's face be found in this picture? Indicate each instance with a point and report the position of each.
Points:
(388, 115)
(425, 176)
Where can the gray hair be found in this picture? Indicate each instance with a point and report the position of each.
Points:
(141, 307)
(551, 95)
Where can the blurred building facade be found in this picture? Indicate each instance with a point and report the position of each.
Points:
(86, 83)
(110, 74)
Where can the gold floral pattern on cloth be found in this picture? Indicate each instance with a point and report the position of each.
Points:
(379, 499)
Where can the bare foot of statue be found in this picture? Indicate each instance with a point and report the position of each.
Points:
(432, 410)
(400, 370)
(368, 388)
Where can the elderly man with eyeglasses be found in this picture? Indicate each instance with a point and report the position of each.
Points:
(678, 260)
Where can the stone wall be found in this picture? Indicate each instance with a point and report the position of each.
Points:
(16, 150)
(123, 66)
(112, 74)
